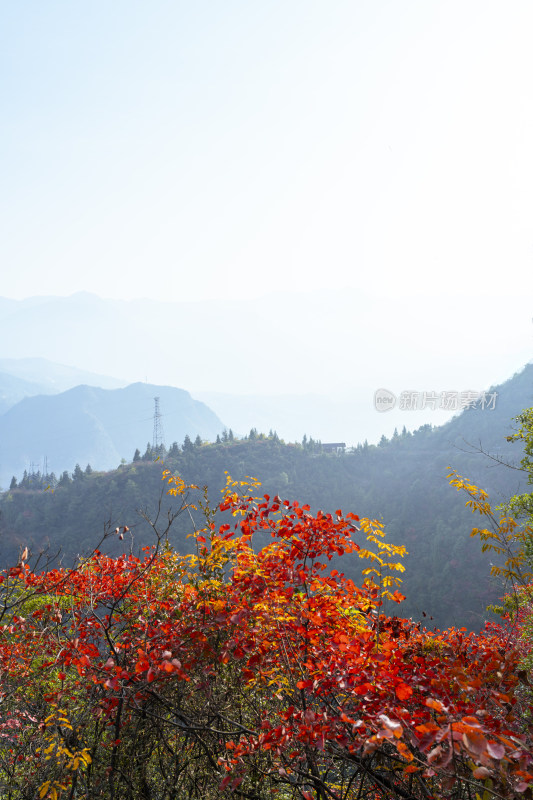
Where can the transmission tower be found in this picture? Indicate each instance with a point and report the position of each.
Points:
(158, 439)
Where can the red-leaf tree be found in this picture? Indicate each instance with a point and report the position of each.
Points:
(253, 669)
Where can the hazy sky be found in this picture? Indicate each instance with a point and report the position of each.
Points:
(231, 149)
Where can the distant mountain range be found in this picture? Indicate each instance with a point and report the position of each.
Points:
(91, 425)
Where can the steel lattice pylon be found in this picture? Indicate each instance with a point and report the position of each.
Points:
(158, 439)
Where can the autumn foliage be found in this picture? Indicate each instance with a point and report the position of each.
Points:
(254, 669)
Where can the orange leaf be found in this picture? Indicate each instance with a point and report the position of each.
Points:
(436, 704)
(403, 691)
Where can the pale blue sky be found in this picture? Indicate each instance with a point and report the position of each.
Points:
(185, 149)
(216, 150)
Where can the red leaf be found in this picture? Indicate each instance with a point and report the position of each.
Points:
(403, 691)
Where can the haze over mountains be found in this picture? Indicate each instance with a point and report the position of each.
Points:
(331, 349)
(26, 377)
